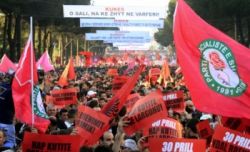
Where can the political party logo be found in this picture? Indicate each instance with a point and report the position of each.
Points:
(219, 68)
(38, 103)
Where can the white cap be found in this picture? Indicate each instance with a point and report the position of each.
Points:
(130, 143)
(205, 117)
(91, 93)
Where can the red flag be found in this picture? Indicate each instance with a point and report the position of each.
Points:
(165, 73)
(68, 74)
(45, 63)
(88, 55)
(214, 65)
(21, 90)
(7, 65)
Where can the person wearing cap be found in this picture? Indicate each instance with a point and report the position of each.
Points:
(129, 146)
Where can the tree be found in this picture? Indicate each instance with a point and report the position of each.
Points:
(230, 16)
(48, 20)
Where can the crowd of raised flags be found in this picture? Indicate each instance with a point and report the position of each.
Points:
(202, 106)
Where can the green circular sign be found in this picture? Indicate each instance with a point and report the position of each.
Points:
(219, 68)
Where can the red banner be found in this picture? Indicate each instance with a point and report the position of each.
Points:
(177, 145)
(90, 124)
(146, 111)
(225, 139)
(64, 96)
(164, 128)
(118, 82)
(34, 142)
(131, 100)
(175, 101)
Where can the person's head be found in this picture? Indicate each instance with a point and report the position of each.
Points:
(108, 138)
(102, 102)
(86, 149)
(103, 148)
(51, 110)
(189, 106)
(129, 146)
(64, 114)
(2, 137)
(72, 113)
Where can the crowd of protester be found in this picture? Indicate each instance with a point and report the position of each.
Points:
(95, 90)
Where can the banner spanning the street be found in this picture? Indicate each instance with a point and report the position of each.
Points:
(96, 22)
(126, 44)
(117, 12)
(129, 37)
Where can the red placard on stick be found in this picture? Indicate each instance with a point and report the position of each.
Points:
(174, 100)
(64, 96)
(225, 139)
(177, 145)
(90, 124)
(164, 128)
(146, 111)
(48, 143)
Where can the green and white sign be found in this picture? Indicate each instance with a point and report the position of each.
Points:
(219, 68)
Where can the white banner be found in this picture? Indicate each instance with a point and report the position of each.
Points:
(134, 48)
(87, 22)
(128, 44)
(123, 33)
(137, 37)
(117, 12)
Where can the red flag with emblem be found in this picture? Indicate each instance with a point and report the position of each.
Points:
(25, 77)
(214, 65)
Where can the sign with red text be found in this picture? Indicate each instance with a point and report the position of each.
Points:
(225, 139)
(90, 124)
(34, 142)
(174, 100)
(177, 145)
(146, 111)
(117, 12)
(64, 96)
(164, 128)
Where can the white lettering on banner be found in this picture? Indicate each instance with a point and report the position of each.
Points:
(128, 12)
(177, 146)
(164, 123)
(237, 140)
(183, 146)
(242, 142)
(167, 146)
(170, 97)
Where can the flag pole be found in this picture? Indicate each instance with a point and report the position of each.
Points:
(31, 66)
